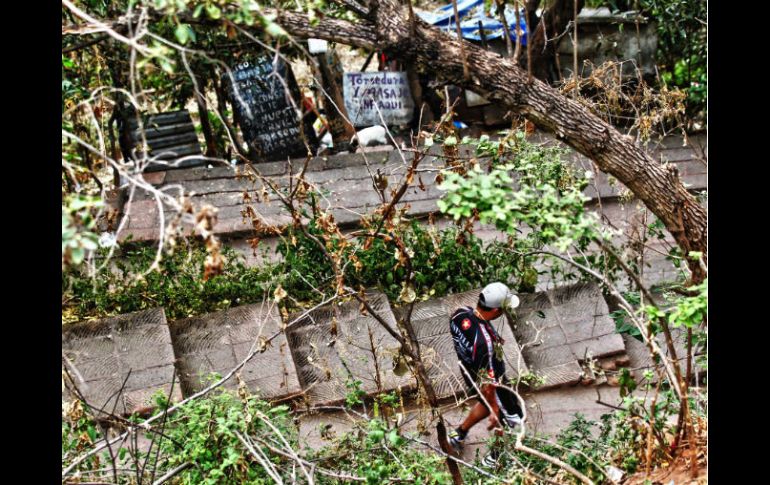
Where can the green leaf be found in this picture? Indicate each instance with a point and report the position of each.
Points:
(394, 437)
(166, 65)
(89, 244)
(279, 410)
(213, 12)
(274, 30)
(450, 141)
(376, 435)
(183, 33)
(77, 254)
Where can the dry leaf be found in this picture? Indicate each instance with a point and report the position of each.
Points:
(279, 294)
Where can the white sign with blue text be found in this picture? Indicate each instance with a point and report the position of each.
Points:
(374, 97)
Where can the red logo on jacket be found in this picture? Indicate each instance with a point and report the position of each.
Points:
(466, 324)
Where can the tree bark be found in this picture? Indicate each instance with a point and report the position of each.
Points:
(203, 113)
(336, 114)
(502, 80)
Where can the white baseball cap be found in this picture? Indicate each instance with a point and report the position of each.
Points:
(497, 295)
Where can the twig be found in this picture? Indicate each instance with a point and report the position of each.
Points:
(529, 44)
(574, 47)
(507, 30)
(172, 473)
(555, 461)
(517, 51)
(267, 421)
(105, 28)
(162, 428)
(572, 450)
(313, 465)
(261, 458)
(455, 459)
(466, 73)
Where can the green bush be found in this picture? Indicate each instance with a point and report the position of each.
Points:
(203, 433)
(446, 261)
(177, 285)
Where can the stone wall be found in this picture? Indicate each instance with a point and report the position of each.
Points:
(346, 184)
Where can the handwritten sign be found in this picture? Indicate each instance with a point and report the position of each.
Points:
(371, 94)
(270, 122)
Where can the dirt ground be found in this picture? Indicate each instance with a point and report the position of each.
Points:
(678, 474)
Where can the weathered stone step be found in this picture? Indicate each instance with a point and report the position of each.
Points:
(123, 360)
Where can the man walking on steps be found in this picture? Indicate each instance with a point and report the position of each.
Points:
(479, 349)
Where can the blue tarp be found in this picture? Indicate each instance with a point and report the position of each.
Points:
(470, 13)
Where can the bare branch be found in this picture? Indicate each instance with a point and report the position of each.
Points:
(172, 473)
(106, 28)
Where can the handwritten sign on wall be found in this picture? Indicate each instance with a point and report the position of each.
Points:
(371, 94)
(270, 123)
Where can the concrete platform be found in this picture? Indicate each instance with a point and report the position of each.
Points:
(123, 361)
(361, 350)
(548, 412)
(218, 342)
(561, 328)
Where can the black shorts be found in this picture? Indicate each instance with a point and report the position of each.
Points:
(470, 389)
(508, 404)
(507, 401)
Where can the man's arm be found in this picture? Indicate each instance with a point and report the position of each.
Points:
(463, 335)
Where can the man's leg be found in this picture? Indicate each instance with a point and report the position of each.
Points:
(509, 416)
(492, 457)
(478, 412)
(457, 436)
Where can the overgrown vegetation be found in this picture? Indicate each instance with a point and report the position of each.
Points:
(445, 261)
(682, 49)
(546, 207)
(523, 189)
(681, 28)
(235, 437)
(217, 437)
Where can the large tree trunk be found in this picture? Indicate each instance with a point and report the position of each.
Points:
(501, 80)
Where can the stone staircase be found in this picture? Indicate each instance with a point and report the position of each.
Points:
(121, 362)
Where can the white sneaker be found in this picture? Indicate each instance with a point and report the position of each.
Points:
(491, 459)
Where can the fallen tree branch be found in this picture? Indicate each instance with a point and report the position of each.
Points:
(172, 473)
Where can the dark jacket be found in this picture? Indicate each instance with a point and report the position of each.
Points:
(474, 340)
